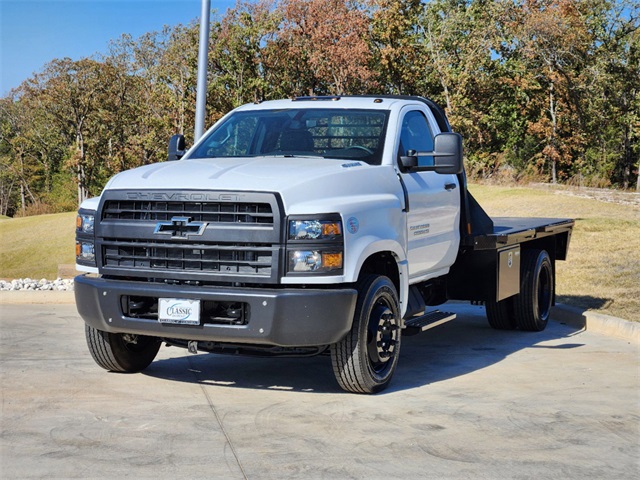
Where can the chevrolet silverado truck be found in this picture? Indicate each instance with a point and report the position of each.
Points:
(301, 227)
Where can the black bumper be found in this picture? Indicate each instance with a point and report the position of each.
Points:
(292, 317)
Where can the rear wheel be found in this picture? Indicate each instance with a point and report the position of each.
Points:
(532, 306)
(500, 314)
(120, 352)
(365, 359)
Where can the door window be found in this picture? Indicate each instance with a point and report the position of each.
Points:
(416, 135)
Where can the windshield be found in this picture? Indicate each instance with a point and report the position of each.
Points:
(318, 132)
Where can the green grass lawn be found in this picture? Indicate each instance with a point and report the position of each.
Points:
(602, 271)
(34, 246)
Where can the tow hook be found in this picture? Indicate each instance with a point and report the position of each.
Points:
(130, 338)
(192, 346)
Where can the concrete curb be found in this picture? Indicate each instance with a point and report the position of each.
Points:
(592, 321)
(597, 322)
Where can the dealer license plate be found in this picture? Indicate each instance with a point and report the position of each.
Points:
(179, 310)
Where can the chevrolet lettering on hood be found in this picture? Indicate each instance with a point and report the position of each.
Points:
(184, 197)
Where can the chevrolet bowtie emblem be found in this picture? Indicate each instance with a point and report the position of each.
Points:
(180, 227)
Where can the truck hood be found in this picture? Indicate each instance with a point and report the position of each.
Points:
(297, 179)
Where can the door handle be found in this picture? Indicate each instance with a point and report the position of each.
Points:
(449, 186)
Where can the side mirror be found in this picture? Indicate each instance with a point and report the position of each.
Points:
(176, 147)
(447, 153)
(447, 156)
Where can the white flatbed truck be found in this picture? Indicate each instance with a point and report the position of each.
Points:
(300, 227)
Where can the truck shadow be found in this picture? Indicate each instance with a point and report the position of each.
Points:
(468, 344)
(457, 348)
(584, 302)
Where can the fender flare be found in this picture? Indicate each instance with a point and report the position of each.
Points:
(367, 246)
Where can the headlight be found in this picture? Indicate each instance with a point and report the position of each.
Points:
(316, 261)
(85, 242)
(84, 223)
(315, 246)
(85, 252)
(315, 229)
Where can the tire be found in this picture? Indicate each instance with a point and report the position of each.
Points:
(501, 315)
(365, 359)
(118, 352)
(532, 306)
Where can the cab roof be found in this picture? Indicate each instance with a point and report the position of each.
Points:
(377, 102)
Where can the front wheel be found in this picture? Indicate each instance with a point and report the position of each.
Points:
(365, 359)
(120, 352)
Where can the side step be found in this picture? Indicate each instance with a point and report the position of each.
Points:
(416, 325)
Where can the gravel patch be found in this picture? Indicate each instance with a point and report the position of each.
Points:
(57, 285)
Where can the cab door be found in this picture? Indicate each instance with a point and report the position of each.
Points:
(433, 216)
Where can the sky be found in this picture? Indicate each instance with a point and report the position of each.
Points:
(34, 32)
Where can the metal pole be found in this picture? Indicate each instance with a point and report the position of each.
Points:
(201, 94)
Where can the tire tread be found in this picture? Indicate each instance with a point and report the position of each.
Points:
(501, 315)
(526, 319)
(348, 368)
(107, 352)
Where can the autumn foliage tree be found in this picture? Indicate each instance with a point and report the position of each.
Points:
(396, 46)
(325, 41)
(540, 89)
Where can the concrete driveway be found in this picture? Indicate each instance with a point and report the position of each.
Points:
(466, 402)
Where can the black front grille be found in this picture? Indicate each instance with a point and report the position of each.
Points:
(251, 260)
(211, 212)
(185, 235)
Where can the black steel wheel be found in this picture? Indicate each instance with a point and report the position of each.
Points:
(532, 306)
(365, 359)
(119, 352)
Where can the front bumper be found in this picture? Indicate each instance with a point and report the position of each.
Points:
(292, 317)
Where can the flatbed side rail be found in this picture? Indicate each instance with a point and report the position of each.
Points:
(513, 231)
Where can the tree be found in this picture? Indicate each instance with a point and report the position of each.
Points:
(461, 67)
(398, 54)
(554, 41)
(613, 101)
(239, 57)
(155, 82)
(537, 87)
(20, 169)
(73, 92)
(324, 46)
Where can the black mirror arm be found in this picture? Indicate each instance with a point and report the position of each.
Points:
(435, 154)
(410, 161)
